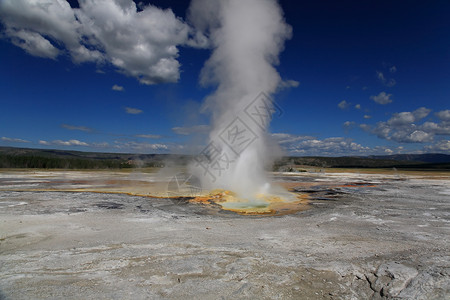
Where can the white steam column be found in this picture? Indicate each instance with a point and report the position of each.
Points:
(246, 37)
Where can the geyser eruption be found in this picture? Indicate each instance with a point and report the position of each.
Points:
(246, 37)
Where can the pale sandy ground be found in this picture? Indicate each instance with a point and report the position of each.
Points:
(365, 236)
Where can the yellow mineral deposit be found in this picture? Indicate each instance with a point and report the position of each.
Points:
(269, 205)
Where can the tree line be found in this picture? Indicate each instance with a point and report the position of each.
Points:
(41, 162)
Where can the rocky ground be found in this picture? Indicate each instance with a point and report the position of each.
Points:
(365, 236)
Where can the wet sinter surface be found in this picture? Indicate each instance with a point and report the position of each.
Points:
(364, 236)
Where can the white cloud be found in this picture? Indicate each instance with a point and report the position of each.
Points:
(307, 145)
(33, 43)
(405, 127)
(139, 44)
(117, 88)
(332, 146)
(13, 140)
(349, 124)
(382, 98)
(148, 136)
(80, 128)
(358, 106)
(417, 136)
(387, 82)
(393, 69)
(69, 143)
(133, 111)
(197, 129)
(43, 24)
(286, 138)
(344, 104)
(421, 113)
(100, 145)
(140, 147)
(403, 118)
(440, 146)
(444, 115)
(367, 117)
(288, 84)
(380, 76)
(442, 128)
(63, 143)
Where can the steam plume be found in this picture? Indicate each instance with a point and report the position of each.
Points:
(246, 37)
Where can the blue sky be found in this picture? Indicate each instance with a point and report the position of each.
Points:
(373, 78)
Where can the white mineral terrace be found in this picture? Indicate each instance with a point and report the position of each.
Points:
(99, 235)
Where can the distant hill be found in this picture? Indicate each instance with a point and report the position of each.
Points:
(429, 158)
(402, 161)
(11, 157)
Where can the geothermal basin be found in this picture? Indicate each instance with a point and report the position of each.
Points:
(119, 234)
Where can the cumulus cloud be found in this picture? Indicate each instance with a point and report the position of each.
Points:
(69, 143)
(117, 88)
(286, 138)
(367, 117)
(308, 145)
(79, 128)
(133, 111)
(33, 43)
(197, 129)
(444, 115)
(140, 147)
(63, 143)
(358, 106)
(148, 136)
(440, 146)
(421, 113)
(40, 26)
(139, 43)
(13, 140)
(382, 98)
(349, 124)
(405, 118)
(405, 127)
(442, 128)
(100, 145)
(344, 104)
